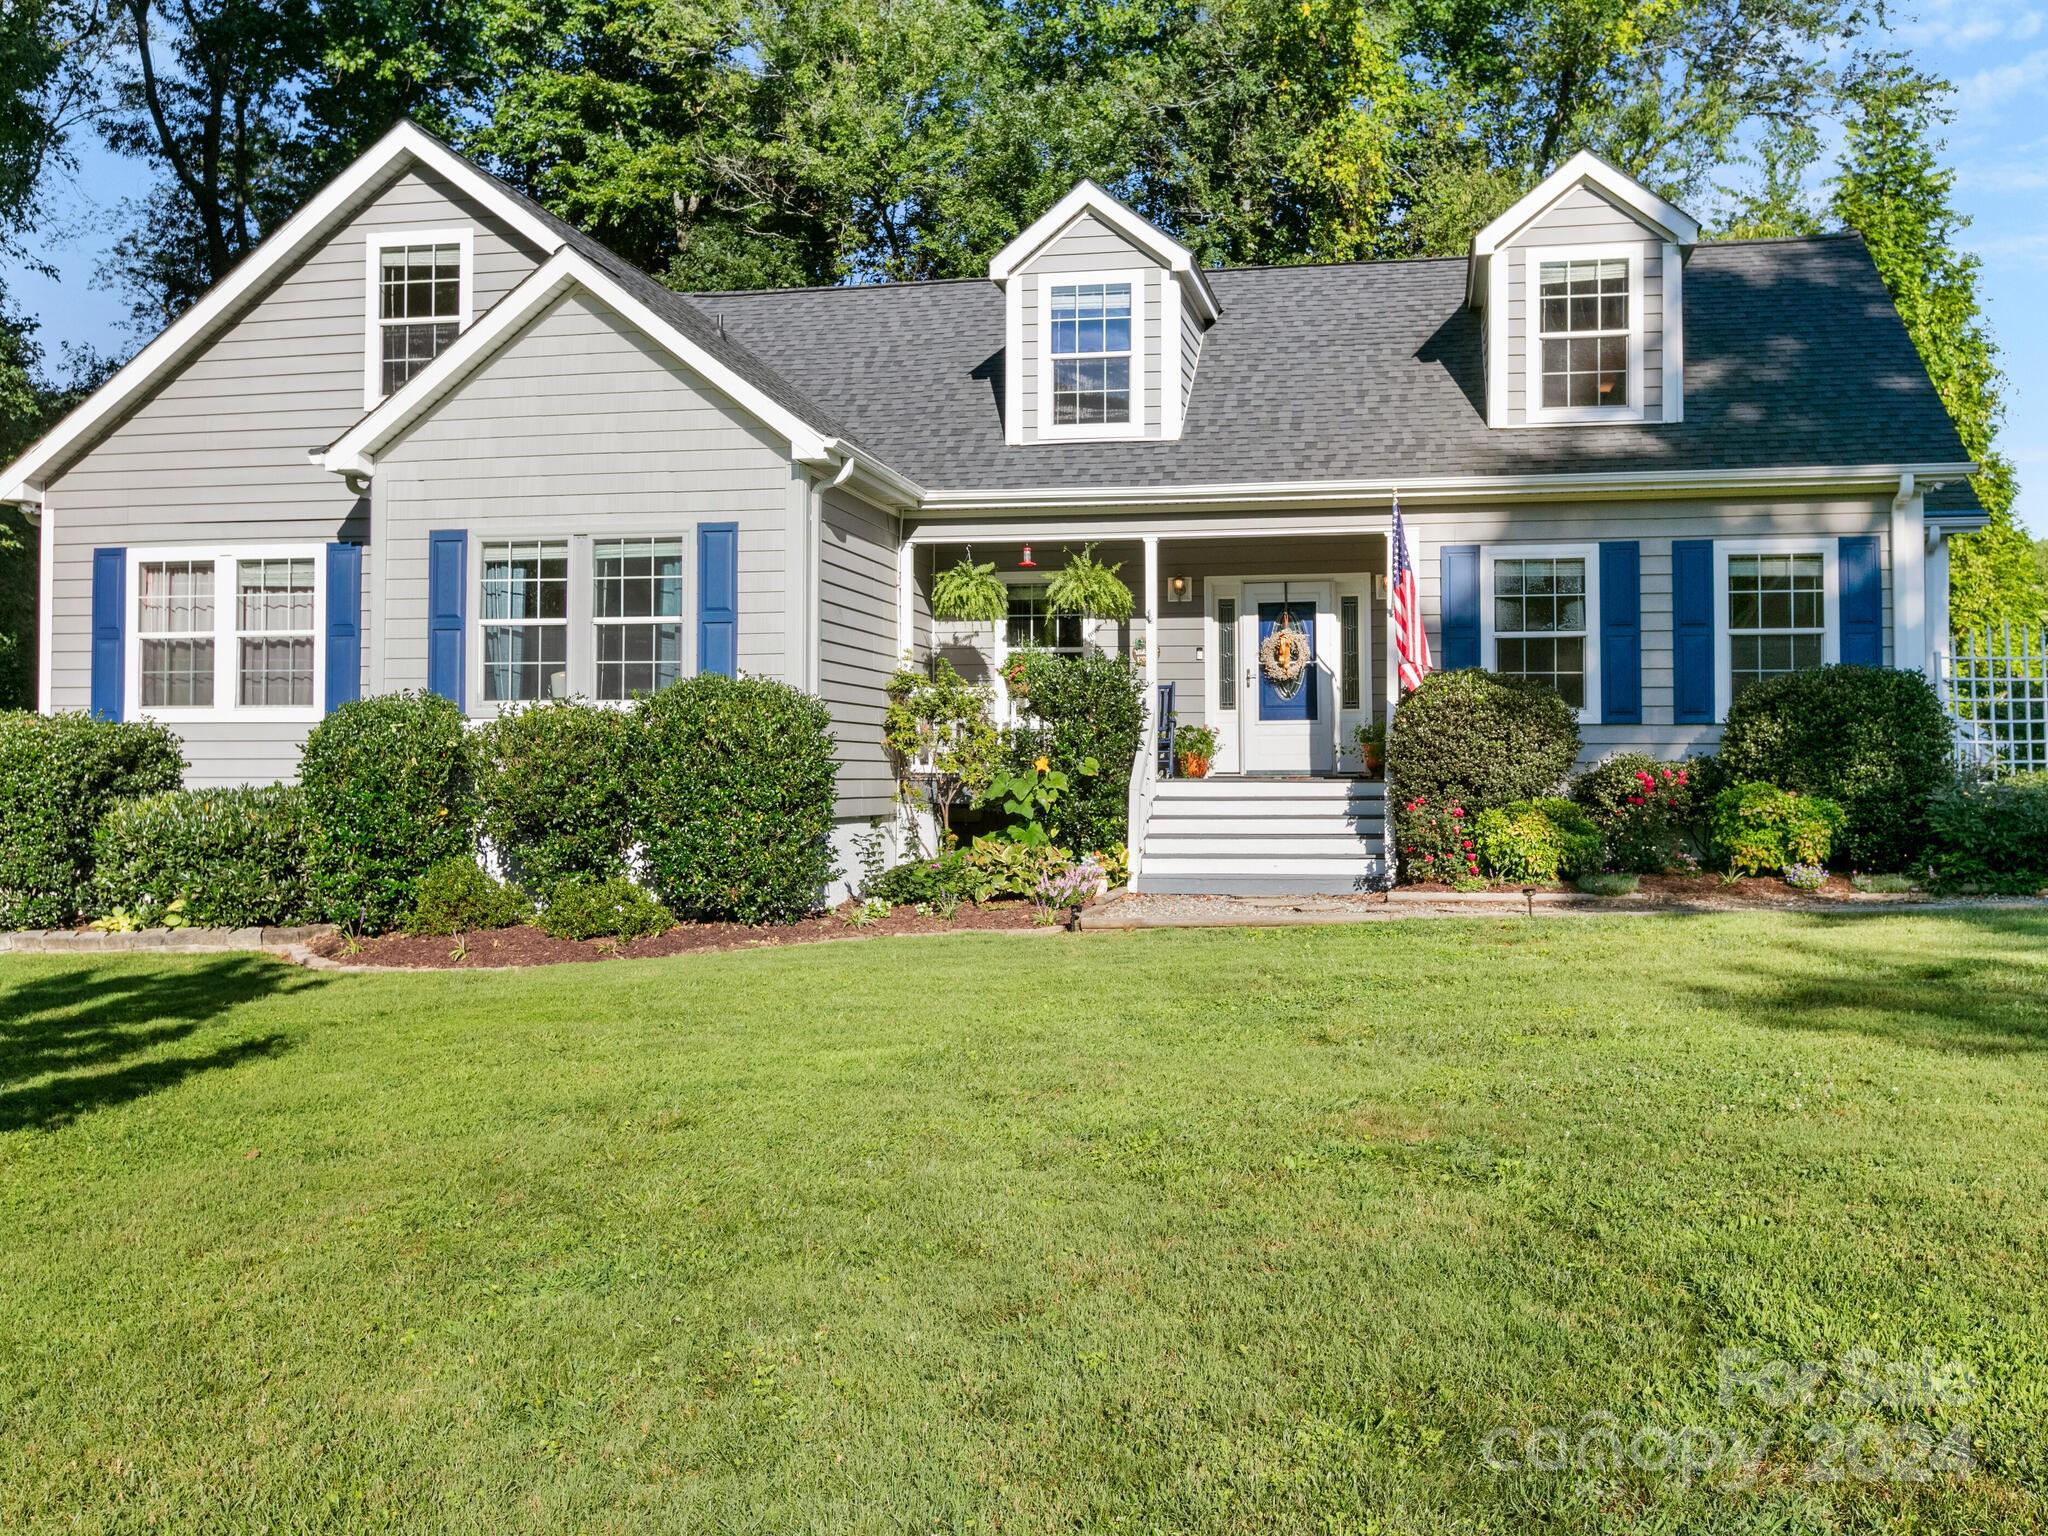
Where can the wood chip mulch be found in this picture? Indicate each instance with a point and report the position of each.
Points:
(526, 945)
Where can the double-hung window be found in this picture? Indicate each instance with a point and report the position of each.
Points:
(525, 620)
(1540, 617)
(1091, 353)
(637, 607)
(1777, 616)
(221, 632)
(419, 303)
(1583, 334)
(1031, 627)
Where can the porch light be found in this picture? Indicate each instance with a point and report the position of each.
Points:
(1179, 589)
(1027, 563)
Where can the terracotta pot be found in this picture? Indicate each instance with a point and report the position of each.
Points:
(1193, 766)
(1373, 758)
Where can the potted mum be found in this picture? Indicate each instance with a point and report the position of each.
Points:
(1195, 748)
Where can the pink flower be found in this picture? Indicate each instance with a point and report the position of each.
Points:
(1457, 810)
(1466, 844)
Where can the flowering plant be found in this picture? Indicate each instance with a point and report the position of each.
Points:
(1648, 812)
(1435, 842)
(1805, 877)
(1059, 892)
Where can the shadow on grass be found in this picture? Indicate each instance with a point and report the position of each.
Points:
(1976, 986)
(81, 1041)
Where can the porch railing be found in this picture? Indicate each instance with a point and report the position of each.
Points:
(1144, 780)
(1995, 689)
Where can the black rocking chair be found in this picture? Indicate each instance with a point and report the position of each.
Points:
(1166, 730)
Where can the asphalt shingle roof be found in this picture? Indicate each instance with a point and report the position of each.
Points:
(1794, 357)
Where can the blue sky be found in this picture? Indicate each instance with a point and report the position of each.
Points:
(1995, 52)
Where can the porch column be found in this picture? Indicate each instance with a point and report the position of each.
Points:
(906, 596)
(1151, 627)
(1909, 578)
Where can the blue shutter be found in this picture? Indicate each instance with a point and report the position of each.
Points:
(1621, 633)
(447, 588)
(109, 631)
(1862, 602)
(1692, 630)
(1458, 580)
(344, 625)
(718, 598)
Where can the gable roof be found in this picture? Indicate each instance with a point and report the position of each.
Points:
(1088, 198)
(1584, 169)
(1796, 361)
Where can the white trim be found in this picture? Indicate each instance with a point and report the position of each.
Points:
(1013, 364)
(1589, 712)
(1586, 168)
(1325, 730)
(328, 207)
(1671, 273)
(355, 451)
(1535, 259)
(1172, 389)
(374, 247)
(1498, 319)
(1087, 197)
(46, 604)
(1091, 431)
(1828, 548)
(1906, 554)
(1217, 590)
(1266, 493)
(226, 633)
(906, 595)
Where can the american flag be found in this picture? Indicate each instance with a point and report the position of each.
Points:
(1411, 640)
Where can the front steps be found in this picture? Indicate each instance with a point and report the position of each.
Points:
(1264, 837)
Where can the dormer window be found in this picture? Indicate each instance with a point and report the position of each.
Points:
(1583, 320)
(419, 282)
(1091, 353)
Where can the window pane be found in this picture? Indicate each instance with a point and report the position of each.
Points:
(1226, 653)
(277, 671)
(634, 659)
(274, 596)
(526, 661)
(176, 597)
(1348, 612)
(526, 580)
(177, 674)
(637, 578)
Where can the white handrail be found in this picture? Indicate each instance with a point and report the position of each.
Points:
(1144, 777)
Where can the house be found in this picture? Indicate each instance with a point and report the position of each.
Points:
(429, 436)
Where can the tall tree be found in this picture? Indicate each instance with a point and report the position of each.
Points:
(1893, 189)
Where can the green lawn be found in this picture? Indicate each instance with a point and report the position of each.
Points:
(1170, 1231)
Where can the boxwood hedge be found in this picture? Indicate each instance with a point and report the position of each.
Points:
(554, 786)
(236, 856)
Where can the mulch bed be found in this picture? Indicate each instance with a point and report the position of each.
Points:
(526, 945)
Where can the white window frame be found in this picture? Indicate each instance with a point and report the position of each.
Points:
(1589, 712)
(384, 240)
(1536, 257)
(574, 615)
(1091, 430)
(1831, 603)
(681, 619)
(227, 649)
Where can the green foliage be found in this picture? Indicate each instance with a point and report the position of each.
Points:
(953, 876)
(1874, 740)
(456, 896)
(388, 795)
(1084, 708)
(1883, 885)
(1648, 812)
(554, 786)
(1537, 841)
(604, 909)
(1608, 884)
(970, 593)
(1760, 829)
(936, 726)
(18, 559)
(1195, 740)
(59, 774)
(1009, 868)
(1991, 837)
(735, 801)
(1089, 588)
(1031, 797)
(236, 857)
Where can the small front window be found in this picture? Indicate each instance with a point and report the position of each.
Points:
(1539, 623)
(419, 307)
(1777, 616)
(526, 621)
(1583, 329)
(274, 631)
(637, 605)
(1091, 353)
(176, 626)
(1031, 627)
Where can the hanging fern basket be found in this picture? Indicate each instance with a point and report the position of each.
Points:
(1087, 587)
(970, 593)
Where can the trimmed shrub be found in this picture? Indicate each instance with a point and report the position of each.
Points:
(456, 896)
(237, 857)
(554, 789)
(1761, 829)
(952, 876)
(1537, 841)
(1873, 740)
(388, 796)
(1434, 842)
(735, 799)
(1991, 837)
(1648, 812)
(1471, 740)
(603, 909)
(58, 776)
(1083, 706)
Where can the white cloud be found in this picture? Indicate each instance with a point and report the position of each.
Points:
(2025, 250)
(1990, 87)
(1962, 27)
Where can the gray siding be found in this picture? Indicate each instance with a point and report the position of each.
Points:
(857, 646)
(1088, 245)
(218, 453)
(1583, 217)
(580, 425)
(1190, 354)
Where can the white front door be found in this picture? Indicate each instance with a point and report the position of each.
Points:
(1287, 728)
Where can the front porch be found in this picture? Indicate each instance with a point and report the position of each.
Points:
(1284, 808)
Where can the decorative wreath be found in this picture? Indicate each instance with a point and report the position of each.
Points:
(1283, 657)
